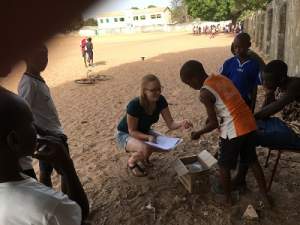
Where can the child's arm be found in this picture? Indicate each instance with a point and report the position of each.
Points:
(253, 98)
(274, 107)
(212, 122)
(269, 97)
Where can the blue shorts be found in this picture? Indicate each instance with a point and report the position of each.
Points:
(275, 133)
(121, 139)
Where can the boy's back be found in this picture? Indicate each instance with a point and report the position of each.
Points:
(89, 46)
(236, 117)
(43, 204)
(36, 92)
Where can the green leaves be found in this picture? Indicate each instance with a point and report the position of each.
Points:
(222, 9)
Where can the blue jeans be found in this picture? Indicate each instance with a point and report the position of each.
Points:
(274, 133)
(121, 139)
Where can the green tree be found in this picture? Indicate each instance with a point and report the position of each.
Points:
(90, 22)
(179, 11)
(222, 9)
(151, 6)
(134, 7)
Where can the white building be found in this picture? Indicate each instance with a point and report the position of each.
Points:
(133, 18)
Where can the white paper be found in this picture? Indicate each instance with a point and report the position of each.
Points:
(165, 142)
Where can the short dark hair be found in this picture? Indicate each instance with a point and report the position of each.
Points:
(277, 68)
(244, 37)
(89, 39)
(40, 48)
(191, 68)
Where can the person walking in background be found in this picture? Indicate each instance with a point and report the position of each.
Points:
(89, 51)
(83, 50)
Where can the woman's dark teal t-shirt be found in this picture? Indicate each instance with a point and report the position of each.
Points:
(145, 121)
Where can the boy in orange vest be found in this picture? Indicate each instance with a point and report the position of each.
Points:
(237, 124)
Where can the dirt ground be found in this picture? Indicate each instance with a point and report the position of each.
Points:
(90, 113)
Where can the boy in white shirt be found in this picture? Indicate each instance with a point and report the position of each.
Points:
(36, 92)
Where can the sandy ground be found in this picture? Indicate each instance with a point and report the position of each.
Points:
(90, 113)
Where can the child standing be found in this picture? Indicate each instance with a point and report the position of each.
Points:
(83, 50)
(35, 91)
(243, 70)
(237, 127)
(89, 51)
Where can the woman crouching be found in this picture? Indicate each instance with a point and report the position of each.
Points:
(135, 127)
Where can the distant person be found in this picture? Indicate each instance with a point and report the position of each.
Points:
(213, 32)
(83, 49)
(243, 70)
(237, 125)
(89, 51)
(35, 91)
(24, 201)
(199, 30)
(135, 127)
(194, 30)
(237, 29)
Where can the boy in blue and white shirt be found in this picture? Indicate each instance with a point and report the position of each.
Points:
(243, 70)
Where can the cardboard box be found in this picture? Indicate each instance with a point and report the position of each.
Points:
(193, 171)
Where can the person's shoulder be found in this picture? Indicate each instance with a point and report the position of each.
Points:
(230, 60)
(134, 103)
(253, 60)
(27, 81)
(205, 95)
(162, 98)
(54, 203)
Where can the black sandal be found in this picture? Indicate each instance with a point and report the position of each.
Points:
(141, 172)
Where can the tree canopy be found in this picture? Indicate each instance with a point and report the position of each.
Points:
(222, 9)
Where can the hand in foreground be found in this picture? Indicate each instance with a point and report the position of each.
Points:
(152, 138)
(54, 152)
(186, 124)
(195, 135)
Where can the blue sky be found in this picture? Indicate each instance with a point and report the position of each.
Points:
(115, 5)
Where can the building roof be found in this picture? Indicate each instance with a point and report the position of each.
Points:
(134, 12)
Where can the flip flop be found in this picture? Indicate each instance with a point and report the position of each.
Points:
(133, 169)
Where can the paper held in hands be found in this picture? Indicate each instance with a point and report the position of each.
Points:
(165, 143)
